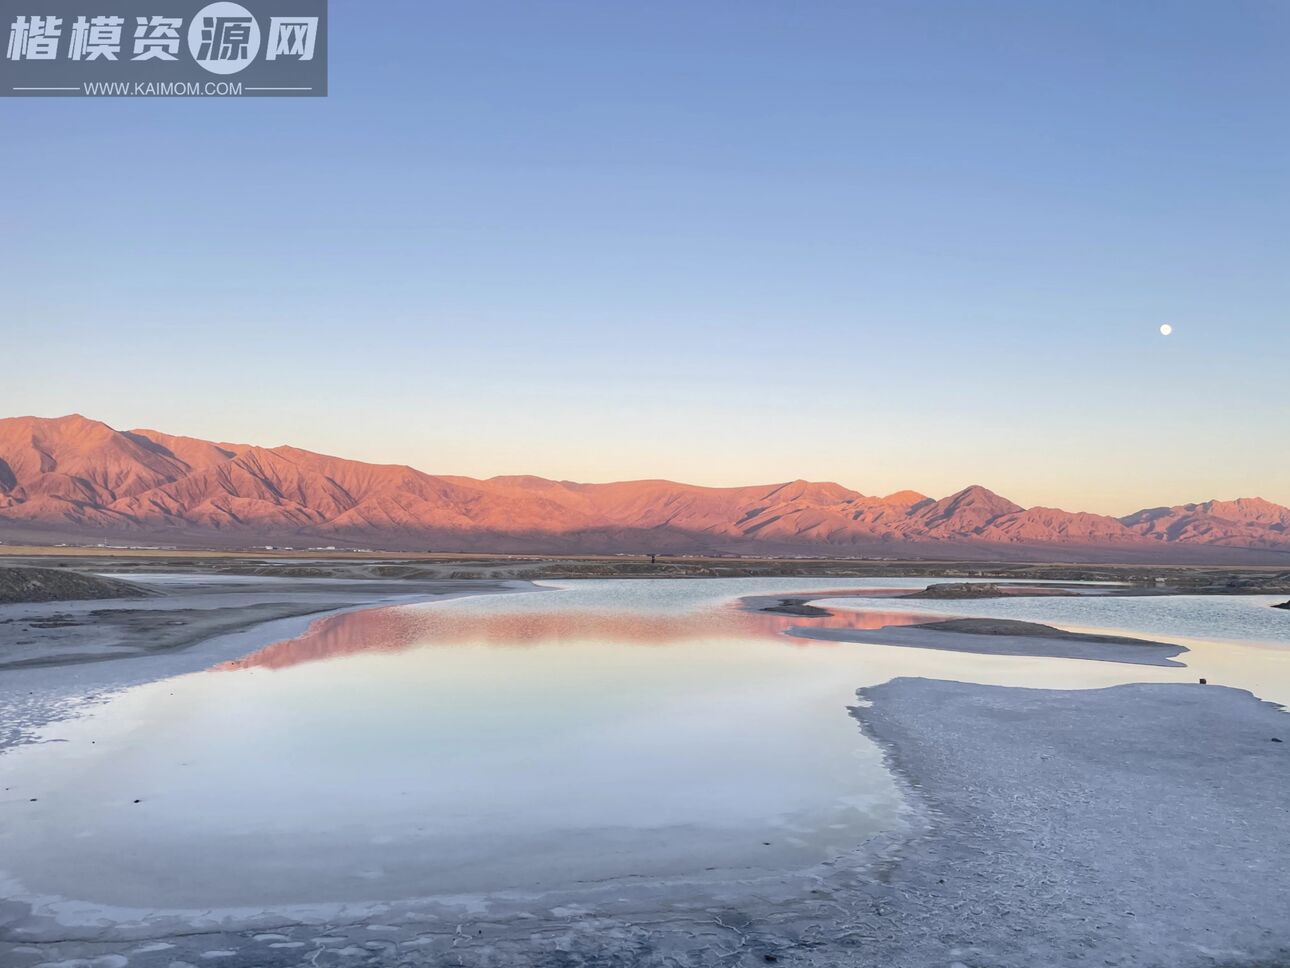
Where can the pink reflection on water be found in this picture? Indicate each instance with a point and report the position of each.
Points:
(400, 627)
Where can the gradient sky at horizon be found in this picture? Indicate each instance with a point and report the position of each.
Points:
(892, 245)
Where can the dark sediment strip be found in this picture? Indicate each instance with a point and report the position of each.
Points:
(1003, 637)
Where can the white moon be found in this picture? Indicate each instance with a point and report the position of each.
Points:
(1166, 329)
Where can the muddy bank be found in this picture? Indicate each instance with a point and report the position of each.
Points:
(1006, 637)
(969, 590)
(20, 584)
(981, 636)
(175, 612)
(1146, 579)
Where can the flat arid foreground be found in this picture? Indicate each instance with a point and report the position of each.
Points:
(1158, 577)
(242, 760)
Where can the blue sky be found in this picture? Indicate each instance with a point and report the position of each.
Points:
(890, 244)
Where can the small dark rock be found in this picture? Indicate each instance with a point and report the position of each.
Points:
(1285, 605)
(1204, 682)
(797, 606)
(769, 958)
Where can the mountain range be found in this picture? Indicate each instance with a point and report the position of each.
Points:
(72, 479)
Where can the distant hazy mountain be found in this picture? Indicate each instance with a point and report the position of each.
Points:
(74, 479)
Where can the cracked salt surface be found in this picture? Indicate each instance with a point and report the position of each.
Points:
(623, 770)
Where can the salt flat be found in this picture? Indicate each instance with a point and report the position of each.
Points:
(1139, 824)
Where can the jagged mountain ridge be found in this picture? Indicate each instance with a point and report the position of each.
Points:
(72, 476)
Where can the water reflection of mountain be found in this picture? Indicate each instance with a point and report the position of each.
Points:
(396, 628)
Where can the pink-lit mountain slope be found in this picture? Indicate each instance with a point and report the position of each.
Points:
(75, 479)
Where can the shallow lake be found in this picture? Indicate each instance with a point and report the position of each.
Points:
(596, 732)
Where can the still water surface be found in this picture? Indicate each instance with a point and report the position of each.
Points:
(594, 731)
